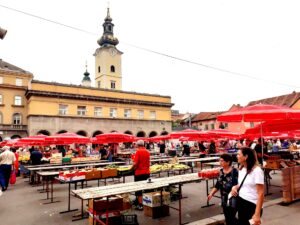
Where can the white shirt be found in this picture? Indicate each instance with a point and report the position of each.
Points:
(7, 157)
(248, 191)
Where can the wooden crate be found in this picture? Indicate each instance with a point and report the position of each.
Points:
(105, 173)
(291, 184)
(273, 164)
(93, 174)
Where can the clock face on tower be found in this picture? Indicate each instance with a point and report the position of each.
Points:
(113, 51)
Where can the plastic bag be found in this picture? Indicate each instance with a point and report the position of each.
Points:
(13, 177)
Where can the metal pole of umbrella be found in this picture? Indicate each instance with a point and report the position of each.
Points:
(262, 143)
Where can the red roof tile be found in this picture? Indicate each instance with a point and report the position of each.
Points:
(206, 116)
(284, 100)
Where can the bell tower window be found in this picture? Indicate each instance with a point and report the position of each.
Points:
(112, 84)
(112, 69)
(99, 69)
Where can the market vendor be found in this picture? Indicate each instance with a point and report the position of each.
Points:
(141, 167)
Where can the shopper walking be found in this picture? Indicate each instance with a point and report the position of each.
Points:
(227, 179)
(251, 191)
(7, 160)
(141, 167)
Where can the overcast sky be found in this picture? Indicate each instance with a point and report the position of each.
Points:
(257, 41)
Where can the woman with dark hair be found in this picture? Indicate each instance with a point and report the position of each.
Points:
(227, 179)
(250, 188)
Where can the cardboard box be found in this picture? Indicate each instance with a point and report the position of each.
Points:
(157, 212)
(114, 203)
(153, 199)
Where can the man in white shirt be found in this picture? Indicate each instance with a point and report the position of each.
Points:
(7, 160)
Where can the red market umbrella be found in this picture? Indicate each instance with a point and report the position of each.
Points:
(260, 113)
(159, 138)
(67, 138)
(191, 134)
(272, 135)
(114, 138)
(222, 133)
(12, 143)
(33, 140)
(275, 126)
(141, 138)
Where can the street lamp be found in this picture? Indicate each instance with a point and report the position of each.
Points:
(2, 33)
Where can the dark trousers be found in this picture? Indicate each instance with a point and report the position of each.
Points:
(5, 171)
(140, 178)
(246, 210)
(230, 215)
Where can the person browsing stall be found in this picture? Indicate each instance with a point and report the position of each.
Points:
(141, 167)
(250, 188)
(228, 177)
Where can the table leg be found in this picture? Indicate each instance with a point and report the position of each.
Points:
(267, 185)
(207, 193)
(51, 190)
(69, 202)
(180, 212)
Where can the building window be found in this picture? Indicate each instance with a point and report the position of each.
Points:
(251, 124)
(226, 125)
(98, 111)
(18, 100)
(81, 110)
(63, 109)
(99, 69)
(109, 28)
(206, 127)
(113, 84)
(127, 113)
(1, 99)
(99, 84)
(19, 82)
(1, 80)
(113, 113)
(112, 69)
(17, 119)
(140, 114)
(152, 115)
(212, 126)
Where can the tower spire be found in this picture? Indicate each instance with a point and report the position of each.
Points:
(86, 81)
(108, 38)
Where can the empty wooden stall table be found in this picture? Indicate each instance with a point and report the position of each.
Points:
(117, 189)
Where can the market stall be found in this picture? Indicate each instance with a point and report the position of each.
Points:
(117, 189)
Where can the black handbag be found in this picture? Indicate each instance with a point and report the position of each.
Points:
(232, 201)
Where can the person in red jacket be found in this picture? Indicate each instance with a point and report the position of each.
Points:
(141, 167)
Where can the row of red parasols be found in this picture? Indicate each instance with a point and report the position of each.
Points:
(275, 121)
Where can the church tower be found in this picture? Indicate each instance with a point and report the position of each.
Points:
(108, 73)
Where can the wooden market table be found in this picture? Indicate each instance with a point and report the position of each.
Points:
(47, 179)
(158, 183)
(34, 170)
(200, 160)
